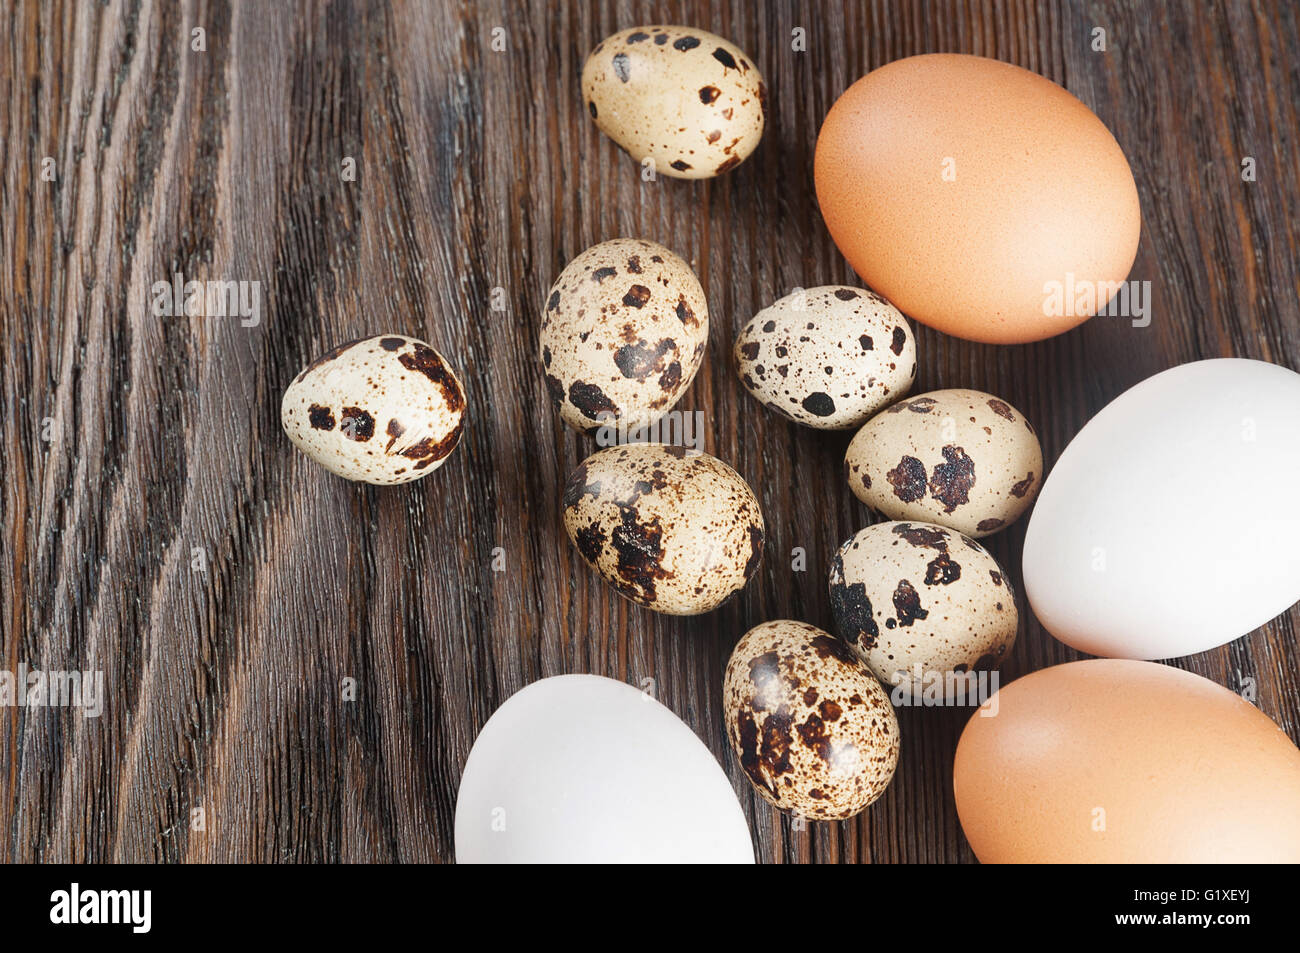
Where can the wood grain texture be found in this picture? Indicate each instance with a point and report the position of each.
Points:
(128, 441)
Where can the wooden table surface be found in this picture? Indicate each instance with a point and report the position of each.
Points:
(158, 525)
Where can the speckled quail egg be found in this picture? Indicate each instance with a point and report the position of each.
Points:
(624, 331)
(827, 357)
(960, 458)
(917, 601)
(687, 100)
(812, 727)
(386, 409)
(675, 530)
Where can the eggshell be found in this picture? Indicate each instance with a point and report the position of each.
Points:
(1170, 523)
(811, 726)
(917, 601)
(1116, 761)
(827, 357)
(672, 529)
(583, 769)
(960, 458)
(960, 188)
(624, 331)
(387, 409)
(688, 100)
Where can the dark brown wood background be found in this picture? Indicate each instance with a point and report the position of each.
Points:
(480, 170)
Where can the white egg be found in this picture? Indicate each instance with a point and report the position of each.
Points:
(584, 769)
(1170, 523)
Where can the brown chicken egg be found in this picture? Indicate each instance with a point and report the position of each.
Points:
(980, 198)
(1120, 761)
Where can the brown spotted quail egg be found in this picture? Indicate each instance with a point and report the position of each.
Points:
(960, 458)
(386, 409)
(686, 100)
(917, 601)
(827, 357)
(675, 530)
(813, 729)
(624, 331)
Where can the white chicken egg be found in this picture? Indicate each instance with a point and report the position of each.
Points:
(584, 769)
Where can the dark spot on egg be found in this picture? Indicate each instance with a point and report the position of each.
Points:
(907, 604)
(591, 400)
(819, 404)
(922, 537)
(426, 361)
(951, 481)
(1002, 409)
(1022, 487)
(394, 430)
(942, 570)
(590, 540)
(851, 608)
(320, 417)
(637, 296)
(357, 424)
(908, 479)
(638, 361)
(684, 312)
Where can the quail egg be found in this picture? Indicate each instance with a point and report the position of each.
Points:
(387, 409)
(920, 602)
(624, 331)
(827, 357)
(960, 458)
(685, 101)
(813, 730)
(675, 530)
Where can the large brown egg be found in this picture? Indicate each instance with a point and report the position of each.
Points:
(1118, 761)
(981, 199)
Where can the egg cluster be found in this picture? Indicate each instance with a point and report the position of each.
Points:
(938, 183)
